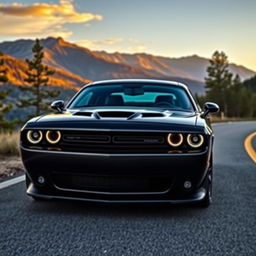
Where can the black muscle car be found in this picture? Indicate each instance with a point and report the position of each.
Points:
(130, 140)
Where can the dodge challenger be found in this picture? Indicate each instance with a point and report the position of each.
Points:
(131, 140)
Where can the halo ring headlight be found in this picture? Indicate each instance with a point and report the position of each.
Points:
(175, 139)
(34, 136)
(195, 140)
(53, 137)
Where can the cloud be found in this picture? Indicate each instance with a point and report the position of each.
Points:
(41, 19)
(129, 45)
(98, 44)
(136, 48)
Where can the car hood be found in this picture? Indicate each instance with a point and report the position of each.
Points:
(116, 118)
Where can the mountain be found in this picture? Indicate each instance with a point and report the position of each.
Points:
(16, 73)
(191, 67)
(75, 65)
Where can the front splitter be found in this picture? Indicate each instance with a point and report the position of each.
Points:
(196, 197)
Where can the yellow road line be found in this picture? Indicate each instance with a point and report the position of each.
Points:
(249, 148)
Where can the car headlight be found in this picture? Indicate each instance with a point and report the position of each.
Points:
(175, 139)
(195, 140)
(34, 136)
(53, 137)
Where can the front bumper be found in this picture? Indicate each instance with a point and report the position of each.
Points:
(175, 167)
(196, 197)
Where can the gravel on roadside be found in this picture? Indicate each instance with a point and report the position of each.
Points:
(10, 166)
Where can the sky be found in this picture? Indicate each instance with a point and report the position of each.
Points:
(171, 28)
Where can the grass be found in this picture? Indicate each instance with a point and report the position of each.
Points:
(9, 144)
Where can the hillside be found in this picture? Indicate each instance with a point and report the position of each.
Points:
(62, 78)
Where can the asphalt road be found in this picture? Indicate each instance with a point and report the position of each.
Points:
(227, 227)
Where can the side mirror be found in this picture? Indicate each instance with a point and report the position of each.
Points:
(210, 107)
(58, 105)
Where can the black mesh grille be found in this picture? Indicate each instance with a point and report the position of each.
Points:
(114, 142)
(154, 140)
(111, 183)
(80, 138)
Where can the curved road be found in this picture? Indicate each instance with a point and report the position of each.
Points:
(227, 227)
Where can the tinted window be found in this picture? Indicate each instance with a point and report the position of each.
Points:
(135, 95)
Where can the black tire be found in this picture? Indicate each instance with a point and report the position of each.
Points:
(28, 181)
(208, 198)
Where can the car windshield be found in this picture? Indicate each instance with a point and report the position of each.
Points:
(134, 95)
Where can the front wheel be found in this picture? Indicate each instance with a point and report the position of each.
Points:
(208, 198)
(28, 181)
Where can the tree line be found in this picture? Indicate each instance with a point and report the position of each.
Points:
(235, 98)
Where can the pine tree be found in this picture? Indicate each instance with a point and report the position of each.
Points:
(4, 107)
(250, 83)
(235, 100)
(219, 80)
(37, 80)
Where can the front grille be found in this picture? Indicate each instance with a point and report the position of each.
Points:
(87, 138)
(138, 140)
(114, 142)
(114, 183)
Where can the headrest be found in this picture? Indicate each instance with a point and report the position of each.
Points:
(115, 100)
(165, 98)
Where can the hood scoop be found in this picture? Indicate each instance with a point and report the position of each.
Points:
(83, 114)
(128, 115)
(119, 114)
(152, 114)
(115, 114)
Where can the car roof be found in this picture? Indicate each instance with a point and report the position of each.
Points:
(148, 81)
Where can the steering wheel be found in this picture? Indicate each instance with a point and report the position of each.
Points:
(164, 104)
